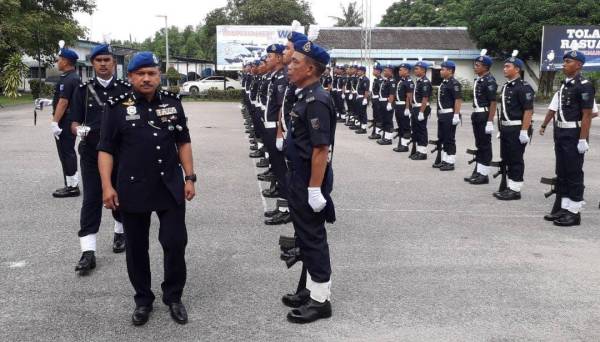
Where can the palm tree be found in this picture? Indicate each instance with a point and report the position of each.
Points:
(351, 16)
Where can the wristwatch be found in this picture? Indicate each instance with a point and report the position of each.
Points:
(191, 177)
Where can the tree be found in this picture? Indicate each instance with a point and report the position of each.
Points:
(269, 12)
(351, 16)
(12, 75)
(426, 13)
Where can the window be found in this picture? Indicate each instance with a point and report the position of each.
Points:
(33, 72)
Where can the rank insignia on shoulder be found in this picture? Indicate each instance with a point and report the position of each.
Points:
(315, 123)
(310, 99)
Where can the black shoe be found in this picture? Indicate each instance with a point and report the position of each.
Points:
(271, 193)
(401, 148)
(447, 167)
(507, 195)
(252, 141)
(297, 299)
(473, 175)
(256, 154)
(361, 131)
(310, 312)
(69, 191)
(568, 219)
(267, 177)
(438, 165)
(178, 313)
(251, 135)
(280, 218)
(384, 142)
(374, 136)
(419, 156)
(272, 213)
(253, 147)
(263, 162)
(141, 314)
(86, 263)
(119, 243)
(556, 215)
(354, 128)
(479, 179)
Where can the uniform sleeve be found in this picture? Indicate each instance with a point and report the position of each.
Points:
(280, 95)
(427, 91)
(319, 125)
(588, 94)
(554, 103)
(68, 88)
(109, 131)
(77, 106)
(491, 90)
(526, 97)
(457, 90)
(367, 84)
(183, 136)
(410, 87)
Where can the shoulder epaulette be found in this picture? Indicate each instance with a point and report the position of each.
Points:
(170, 94)
(84, 84)
(125, 83)
(112, 101)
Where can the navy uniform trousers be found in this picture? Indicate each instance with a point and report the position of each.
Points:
(483, 141)
(446, 133)
(403, 122)
(419, 128)
(65, 146)
(511, 152)
(569, 164)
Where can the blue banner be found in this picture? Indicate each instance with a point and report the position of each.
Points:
(556, 40)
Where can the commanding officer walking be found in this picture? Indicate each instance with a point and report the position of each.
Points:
(309, 150)
(482, 119)
(387, 93)
(448, 111)
(571, 110)
(362, 99)
(60, 124)
(86, 114)
(377, 79)
(514, 125)
(404, 90)
(147, 129)
(420, 111)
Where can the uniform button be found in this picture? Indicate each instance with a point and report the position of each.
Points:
(105, 93)
(158, 147)
(160, 161)
(162, 173)
(155, 134)
(132, 178)
(133, 124)
(90, 104)
(149, 109)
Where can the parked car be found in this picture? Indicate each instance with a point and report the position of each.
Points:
(203, 85)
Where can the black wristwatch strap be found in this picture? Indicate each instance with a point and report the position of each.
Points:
(191, 177)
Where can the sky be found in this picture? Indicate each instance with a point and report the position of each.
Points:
(118, 19)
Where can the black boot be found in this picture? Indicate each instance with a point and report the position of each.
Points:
(479, 179)
(119, 243)
(68, 191)
(297, 299)
(447, 167)
(86, 263)
(568, 219)
(310, 312)
(507, 195)
(263, 162)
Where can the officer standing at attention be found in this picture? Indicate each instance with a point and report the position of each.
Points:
(147, 129)
(572, 114)
(335, 91)
(308, 151)
(386, 103)
(448, 111)
(420, 110)
(362, 99)
(326, 79)
(350, 76)
(87, 107)
(482, 119)
(404, 90)
(342, 92)
(376, 133)
(61, 127)
(514, 124)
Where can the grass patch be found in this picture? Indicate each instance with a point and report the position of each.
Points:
(23, 99)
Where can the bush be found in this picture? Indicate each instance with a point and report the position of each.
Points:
(173, 89)
(41, 89)
(229, 95)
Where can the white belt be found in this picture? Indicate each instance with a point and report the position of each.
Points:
(567, 124)
(416, 105)
(335, 89)
(359, 96)
(270, 124)
(480, 110)
(375, 97)
(512, 123)
(400, 102)
(347, 91)
(383, 99)
(446, 110)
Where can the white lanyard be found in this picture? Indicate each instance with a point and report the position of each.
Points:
(504, 103)
(475, 102)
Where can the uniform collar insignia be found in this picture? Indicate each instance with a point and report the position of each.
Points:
(129, 102)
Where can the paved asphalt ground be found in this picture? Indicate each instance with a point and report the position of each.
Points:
(418, 255)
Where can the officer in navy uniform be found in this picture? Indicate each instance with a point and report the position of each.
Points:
(60, 124)
(255, 109)
(387, 94)
(349, 97)
(362, 99)
(404, 90)
(327, 80)
(420, 110)
(87, 107)
(517, 99)
(377, 79)
(342, 92)
(309, 148)
(448, 112)
(262, 95)
(335, 91)
(148, 130)
(354, 95)
(571, 110)
(482, 119)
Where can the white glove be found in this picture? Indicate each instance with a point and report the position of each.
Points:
(316, 200)
(489, 127)
(389, 107)
(365, 102)
(421, 116)
(279, 144)
(407, 112)
(583, 146)
(343, 96)
(350, 97)
(456, 119)
(55, 129)
(524, 137)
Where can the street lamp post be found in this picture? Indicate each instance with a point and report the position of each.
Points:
(167, 45)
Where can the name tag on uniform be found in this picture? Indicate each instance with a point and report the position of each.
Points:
(166, 111)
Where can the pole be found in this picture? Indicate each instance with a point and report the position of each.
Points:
(167, 43)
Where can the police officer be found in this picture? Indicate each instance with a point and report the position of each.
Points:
(420, 110)
(514, 124)
(448, 112)
(326, 79)
(87, 107)
(335, 91)
(261, 102)
(148, 130)
(60, 125)
(349, 97)
(377, 79)
(308, 150)
(354, 95)
(362, 99)
(342, 92)
(482, 119)
(256, 110)
(572, 113)
(387, 94)
(404, 90)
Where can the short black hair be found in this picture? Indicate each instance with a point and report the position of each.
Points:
(319, 67)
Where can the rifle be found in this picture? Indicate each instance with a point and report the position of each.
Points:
(438, 149)
(474, 159)
(553, 182)
(501, 171)
(290, 254)
(413, 148)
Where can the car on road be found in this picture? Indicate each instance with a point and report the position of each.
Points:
(210, 82)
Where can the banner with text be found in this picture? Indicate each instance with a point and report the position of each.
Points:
(556, 40)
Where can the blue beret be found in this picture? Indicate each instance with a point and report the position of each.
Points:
(103, 49)
(377, 66)
(362, 68)
(576, 55)
(263, 59)
(142, 59)
(354, 66)
(294, 36)
(516, 62)
(485, 60)
(448, 65)
(275, 48)
(256, 62)
(405, 66)
(388, 66)
(312, 50)
(68, 54)
(422, 64)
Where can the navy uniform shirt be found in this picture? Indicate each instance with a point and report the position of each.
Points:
(88, 109)
(404, 87)
(388, 88)
(354, 84)
(254, 88)
(146, 135)
(363, 84)
(422, 89)
(263, 91)
(289, 101)
(517, 97)
(277, 87)
(450, 91)
(575, 95)
(349, 83)
(64, 89)
(376, 86)
(326, 81)
(484, 91)
(334, 82)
